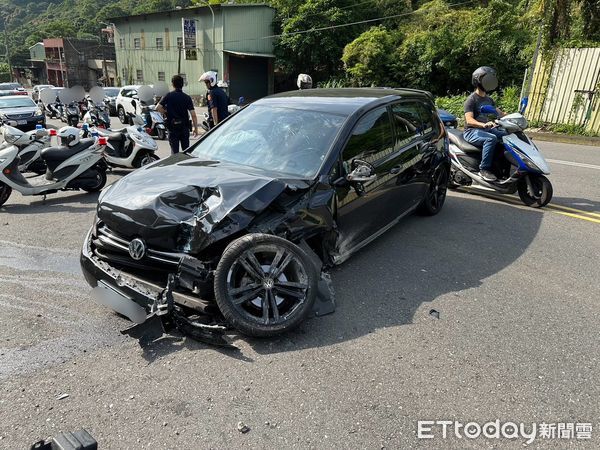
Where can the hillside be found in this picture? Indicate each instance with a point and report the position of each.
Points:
(28, 22)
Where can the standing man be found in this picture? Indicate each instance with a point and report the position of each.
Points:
(217, 98)
(178, 107)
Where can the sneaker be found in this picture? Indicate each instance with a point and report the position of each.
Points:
(487, 175)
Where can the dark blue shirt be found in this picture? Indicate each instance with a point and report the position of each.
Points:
(178, 104)
(217, 98)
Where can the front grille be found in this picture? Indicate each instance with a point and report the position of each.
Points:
(110, 246)
(19, 116)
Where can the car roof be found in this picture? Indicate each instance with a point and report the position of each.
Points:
(344, 101)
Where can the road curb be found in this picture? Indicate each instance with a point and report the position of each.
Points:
(564, 138)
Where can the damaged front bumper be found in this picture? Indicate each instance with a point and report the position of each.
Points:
(111, 284)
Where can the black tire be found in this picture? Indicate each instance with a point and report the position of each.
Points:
(101, 178)
(5, 191)
(161, 134)
(436, 193)
(543, 191)
(122, 116)
(73, 121)
(265, 285)
(144, 160)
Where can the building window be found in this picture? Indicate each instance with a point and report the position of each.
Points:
(179, 41)
(167, 39)
(139, 76)
(161, 76)
(159, 44)
(137, 43)
(121, 43)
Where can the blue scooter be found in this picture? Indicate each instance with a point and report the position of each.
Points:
(518, 163)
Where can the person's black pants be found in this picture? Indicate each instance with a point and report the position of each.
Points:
(179, 135)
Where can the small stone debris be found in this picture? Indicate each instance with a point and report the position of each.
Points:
(246, 388)
(242, 427)
(62, 396)
(165, 424)
(131, 397)
(434, 313)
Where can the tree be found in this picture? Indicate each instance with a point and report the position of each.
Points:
(368, 59)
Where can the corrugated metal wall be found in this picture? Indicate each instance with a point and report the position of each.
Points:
(566, 89)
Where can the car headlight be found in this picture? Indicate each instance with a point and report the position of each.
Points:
(39, 112)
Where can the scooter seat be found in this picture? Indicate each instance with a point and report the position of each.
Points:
(56, 155)
(457, 138)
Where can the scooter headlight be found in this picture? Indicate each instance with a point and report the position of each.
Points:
(528, 162)
(11, 138)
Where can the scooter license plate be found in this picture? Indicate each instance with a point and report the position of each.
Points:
(21, 122)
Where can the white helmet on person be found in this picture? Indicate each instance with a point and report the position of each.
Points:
(222, 84)
(304, 81)
(209, 77)
(69, 136)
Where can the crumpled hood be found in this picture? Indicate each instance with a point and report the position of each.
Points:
(185, 203)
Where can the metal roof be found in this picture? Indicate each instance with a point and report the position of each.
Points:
(195, 9)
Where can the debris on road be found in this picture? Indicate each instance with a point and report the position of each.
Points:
(242, 427)
(62, 396)
(434, 313)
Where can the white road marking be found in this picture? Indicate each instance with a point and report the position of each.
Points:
(574, 164)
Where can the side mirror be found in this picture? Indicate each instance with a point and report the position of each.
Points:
(362, 172)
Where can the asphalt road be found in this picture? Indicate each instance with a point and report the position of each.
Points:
(516, 291)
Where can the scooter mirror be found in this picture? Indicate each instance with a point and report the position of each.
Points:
(489, 109)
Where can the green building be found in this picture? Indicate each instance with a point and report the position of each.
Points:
(233, 40)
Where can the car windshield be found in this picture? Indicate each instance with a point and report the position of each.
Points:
(9, 86)
(24, 102)
(111, 92)
(289, 141)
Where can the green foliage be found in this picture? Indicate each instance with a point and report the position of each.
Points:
(30, 21)
(368, 58)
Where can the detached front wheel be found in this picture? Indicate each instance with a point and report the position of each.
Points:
(265, 285)
(537, 193)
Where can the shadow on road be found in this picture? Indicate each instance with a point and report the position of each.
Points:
(86, 203)
(579, 203)
(414, 263)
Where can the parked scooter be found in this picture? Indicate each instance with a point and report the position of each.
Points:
(155, 122)
(71, 114)
(30, 145)
(518, 164)
(76, 164)
(97, 115)
(130, 147)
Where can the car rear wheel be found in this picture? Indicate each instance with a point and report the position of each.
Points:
(265, 285)
(436, 193)
(5, 191)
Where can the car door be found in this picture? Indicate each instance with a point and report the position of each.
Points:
(362, 208)
(408, 145)
(433, 143)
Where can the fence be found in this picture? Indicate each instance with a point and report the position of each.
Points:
(565, 89)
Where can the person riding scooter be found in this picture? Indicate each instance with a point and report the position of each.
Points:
(479, 130)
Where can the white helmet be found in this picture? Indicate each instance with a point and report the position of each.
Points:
(209, 76)
(222, 84)
(304, 81)
(69, 136)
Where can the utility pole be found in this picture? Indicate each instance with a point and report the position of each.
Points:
(179, 48)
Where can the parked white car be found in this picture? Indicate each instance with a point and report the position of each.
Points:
(128, 102)
(35, 94)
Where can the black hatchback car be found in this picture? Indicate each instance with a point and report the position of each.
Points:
(242, 224)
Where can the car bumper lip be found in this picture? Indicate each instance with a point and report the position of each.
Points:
(141, 292)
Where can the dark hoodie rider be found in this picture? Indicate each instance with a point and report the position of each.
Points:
(479, 130)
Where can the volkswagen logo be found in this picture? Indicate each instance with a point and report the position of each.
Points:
(137, 249)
